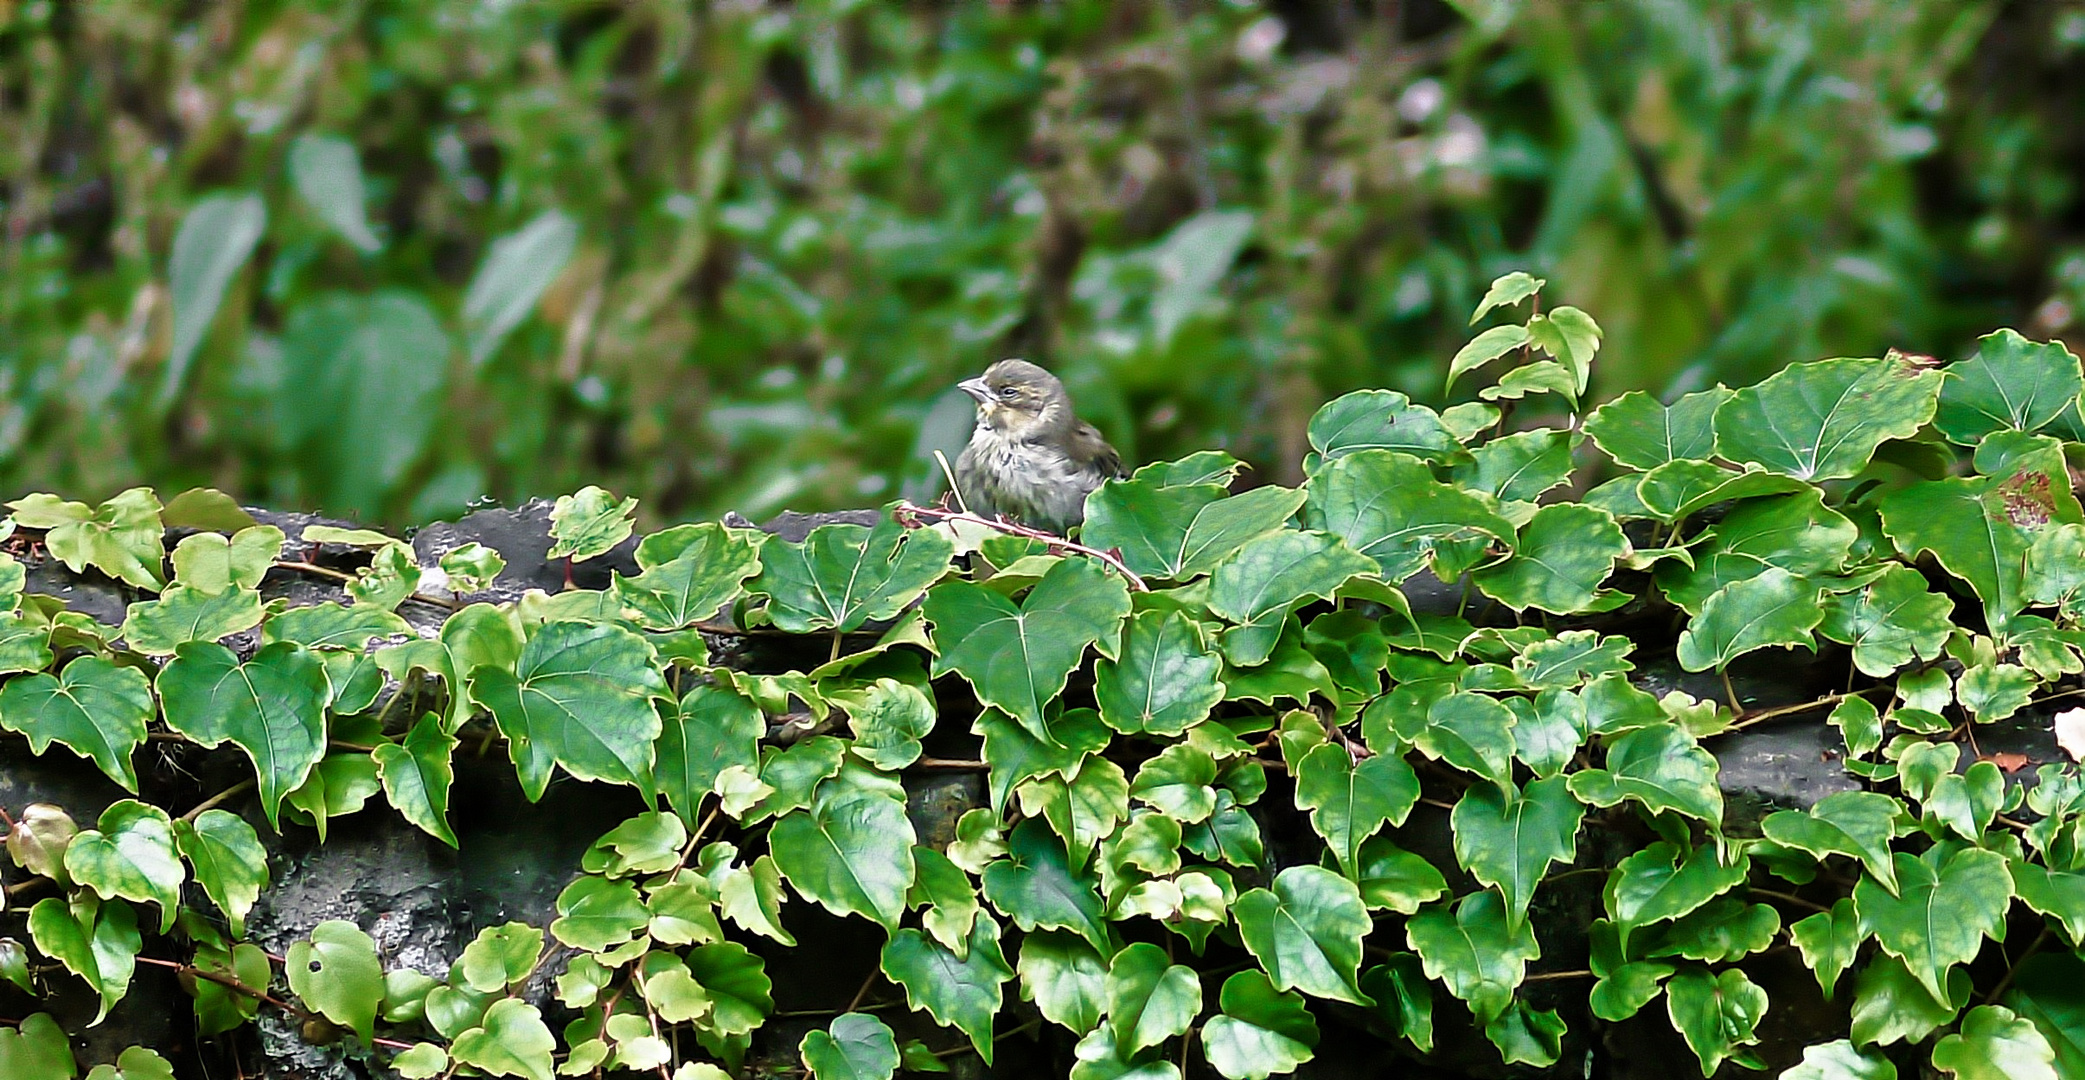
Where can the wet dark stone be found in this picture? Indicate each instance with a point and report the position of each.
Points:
(522, 537)
(793, 527)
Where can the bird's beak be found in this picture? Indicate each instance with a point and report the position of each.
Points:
(976, 388)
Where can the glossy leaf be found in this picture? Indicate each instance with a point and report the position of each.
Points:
(1660, 767)
(843, 575)
(690, 571)
(337, 973)
(1716, 1013)
(417, 773)
(1508, 839)
(851, 851)
(94, 708)
(1947, 902)
(1379, 420)
(1065, 978)
(1840, 1060)
(130, 854)
(1823, 420)
(857, 1046)
(1637, 431)
(1149, 999)
(1773, 609)
(1890, 622)
(1038, 888)
(230, 863)
(2010, 384)
(963, 994)
(272, 707)
(1165, 680)
(1263, 581)
(709, 730)
(1349, 800)
(1017, 656)
(1389, 507)
(1181, 532)
(1473, 951)
(1563, 554)
(1260, 1032)
(1306, 932)
(578, 698)
(1965, 523)
(588, 523)
(1995, 1044)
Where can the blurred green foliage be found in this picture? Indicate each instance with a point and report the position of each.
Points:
(382, 258)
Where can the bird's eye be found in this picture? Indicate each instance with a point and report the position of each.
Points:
(1009, 392)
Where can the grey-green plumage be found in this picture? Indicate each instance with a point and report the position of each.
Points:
(1030, 459)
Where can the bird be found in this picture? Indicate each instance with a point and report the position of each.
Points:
(1030, 458)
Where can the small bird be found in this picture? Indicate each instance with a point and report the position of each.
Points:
(1030, 459)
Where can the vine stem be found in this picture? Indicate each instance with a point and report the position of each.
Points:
(215, 801)
(2014, 968)
(1789, 710)
(261, 996)
(1574, 973)
(1788, 898)
(911, 514)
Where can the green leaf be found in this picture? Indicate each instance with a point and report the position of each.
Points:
(330, 625)
(416, 775)
(1306, 932)
(130, 854)
(736, 982)
(1262, 582)
(2045, 991)
(392, 575)
(1017, 657)
(337, 973)
(1166, 679)
(423, 1061)
(1404, 998)
(1890, 622)
(1964, 522)
(471, 567)
(328, 174)
(1520, 466)
(709, 730)
(1349, 800)
(38, 840)
(1200, 467)
(589, 522)
(1571, 658)
(37, 1049)
(1776, 608)
(1507, 290)
(851, 851)
(1572, 337)
(1840, 1060)
(1676, 489)
(944, 891)
(500, 957)
(1637, 431)
(1661, 882)
(273, 707)
(1564, 552)
(888, 719)
(1623, 991)
(1823, 420)
(1176, 532)
(95, 708)
(1484, 348)
(1065, 978)
(1715, 1013)
(960, 993)
(1508, 839)
(121, 537)
(230, 863)
(1995, 1044)
(1829, 942)
(2010, 384)
(843, 575)
(211, 563)
(1992, 692)
(216, 236)
(1390, 508)
(647, 843)
(134, 1063)
(1540, 377)
(1037, 887)
(1392, 878)
(1260, 1032)
(511, 1040)
(597, 914)
(1379, 420)
(1858, 824)
(706, 567)
(1890, 1004)
(183, 614)
(579, 698)
(1473, 951)
(1527, 1036)
(1471, 732)
(857, 1047)
(1947, 902)
(518, 268)
(1659, 766)
(1149, 1000)
(97, 942)
(1794, 532)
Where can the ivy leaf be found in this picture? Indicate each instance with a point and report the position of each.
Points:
(1065, 978)
(1662, 882)
(1200, 467)
(1796, 532)
(2044, 991)
(416, 775)
(690, 571)
(37, 1049)
(230, 863)
(1166, 679)
(1484, 348)
(1829, 942)
(330, 625)
(588, 523)
(1379, 420)
(1507, 290)
(1715, 1013)
(596, 914)
(1890, 622)
(273, 707)
(1038, 888)
(1858, 824)
(1890, 1003)
(1262, 582)
(1823, 420)
(122, 537)
(511, 1040)
(1392, 878)
(1306, 931)
(1964, 522)
(130, 854)
(1636, 431)
(1508, 839)
(1840, 1060)
(471, 567)
(2010, 384)
(888, 719)
(851, 851)
(1571, 658)
(1992, 692)
(1564, 552)
(579, 698)
(95, 708)
(963, 994)
(856, 1047)
(1540, 377)
(500, 957)
(1474, 951)
(1149, 1000)
(38, 840)
(1676, 489)
(1015, 755)
(340, 784)
(1572, 337)
(211, 563)
(1017, 657)
(337, 973)
(737, 984)
(1390, 508)
(183, 614)
(1348, 800)
(844, 575)
(1178, 533)
(1776, 608)
(1521, 466)
(1471, 732)
(1995, 1044)
(1260, 1032)
(134, 1063)
(1659, 766)
(1947, 902)
(709, 730)
(98, 942)
(949, 900)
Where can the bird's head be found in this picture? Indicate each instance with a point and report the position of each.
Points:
(1018, 399)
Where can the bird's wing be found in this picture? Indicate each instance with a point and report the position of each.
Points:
(1088, 450)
